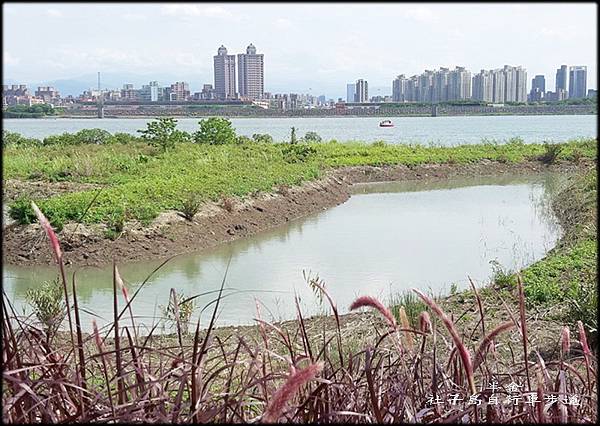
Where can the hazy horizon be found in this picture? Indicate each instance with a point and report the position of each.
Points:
(308, 48)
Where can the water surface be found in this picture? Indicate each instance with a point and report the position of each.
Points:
(387, 238)
(439, 130)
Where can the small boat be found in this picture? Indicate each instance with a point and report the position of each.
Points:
(386, 123)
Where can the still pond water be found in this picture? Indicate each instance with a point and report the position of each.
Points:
(424, 130)
(387, 238)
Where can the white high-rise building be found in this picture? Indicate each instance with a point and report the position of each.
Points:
(224, 66)
(459, 84)
(483, 86)
(362, 91)
(577, 82)
(251, 78)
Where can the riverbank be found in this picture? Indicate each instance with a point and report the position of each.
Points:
(170, 234)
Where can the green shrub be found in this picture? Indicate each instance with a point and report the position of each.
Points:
(124, 138)
(312, 137)
(215, 131)
(190, 206)
(262, 138)
(551, 153)
(64, 139)
(379, 144)
(48, 303)
(242, 140)
(297, 153)
(16, 139)
(20, 210)
(93, 136)
(502, 277)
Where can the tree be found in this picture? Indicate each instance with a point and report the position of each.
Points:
(162, 133)
(293, 136)
(215, 131)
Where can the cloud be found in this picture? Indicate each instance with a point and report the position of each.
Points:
(54, 13)
(283, 24)
(421, 14)
(9, 59)
(134, 17)
(187, 11)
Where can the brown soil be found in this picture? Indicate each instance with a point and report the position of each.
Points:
(170, 234)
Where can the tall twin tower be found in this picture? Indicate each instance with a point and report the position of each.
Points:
(251, 78)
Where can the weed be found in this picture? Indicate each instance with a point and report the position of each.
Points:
(190, 206)
(413, 306)
(228, 204)
(48, 305)
(551, 153)
(502, 277)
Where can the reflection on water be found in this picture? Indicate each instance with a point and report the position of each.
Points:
(388, 237)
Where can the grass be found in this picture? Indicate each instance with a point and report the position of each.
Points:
(283, 375)
(142, 182)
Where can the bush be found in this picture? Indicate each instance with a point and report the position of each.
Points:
(93, 136)
(215, 131)
(64, 139)
(262, 138)
(551, 153)
(116, 224)
(47, 301)
(295, 153)
(312, 137)
(20, 210)
(501, 276)
(16, 139)
(162, 134)
(243, 140)
(190, 206)
(124, 138)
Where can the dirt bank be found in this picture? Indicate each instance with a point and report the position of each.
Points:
(170, 234)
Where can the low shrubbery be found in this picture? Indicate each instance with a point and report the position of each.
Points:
(149, 179)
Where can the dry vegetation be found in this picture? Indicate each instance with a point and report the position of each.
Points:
(427, 371)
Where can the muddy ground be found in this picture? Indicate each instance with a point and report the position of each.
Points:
(170, 234)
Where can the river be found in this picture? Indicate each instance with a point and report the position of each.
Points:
(387, 238)
(437, 130)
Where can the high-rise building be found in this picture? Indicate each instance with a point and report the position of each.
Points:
(350, 92)
(577, 82)
(224, 66)
(521, 85)
(251, 77)
(499, 86)
(459, 84)
(538, 88)
(425, 84)
(561, 79)
(362, 91)
(400, 89)
(439, 85)
(179, 91)
(483, 86)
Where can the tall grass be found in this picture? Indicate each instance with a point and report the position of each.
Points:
(286, 377)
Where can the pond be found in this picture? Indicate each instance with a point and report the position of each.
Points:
(386, 239)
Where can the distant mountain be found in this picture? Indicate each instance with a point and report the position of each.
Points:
(76, 85)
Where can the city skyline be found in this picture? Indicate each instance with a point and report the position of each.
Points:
(438, 33)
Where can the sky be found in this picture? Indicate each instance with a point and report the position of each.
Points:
(309, 48)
